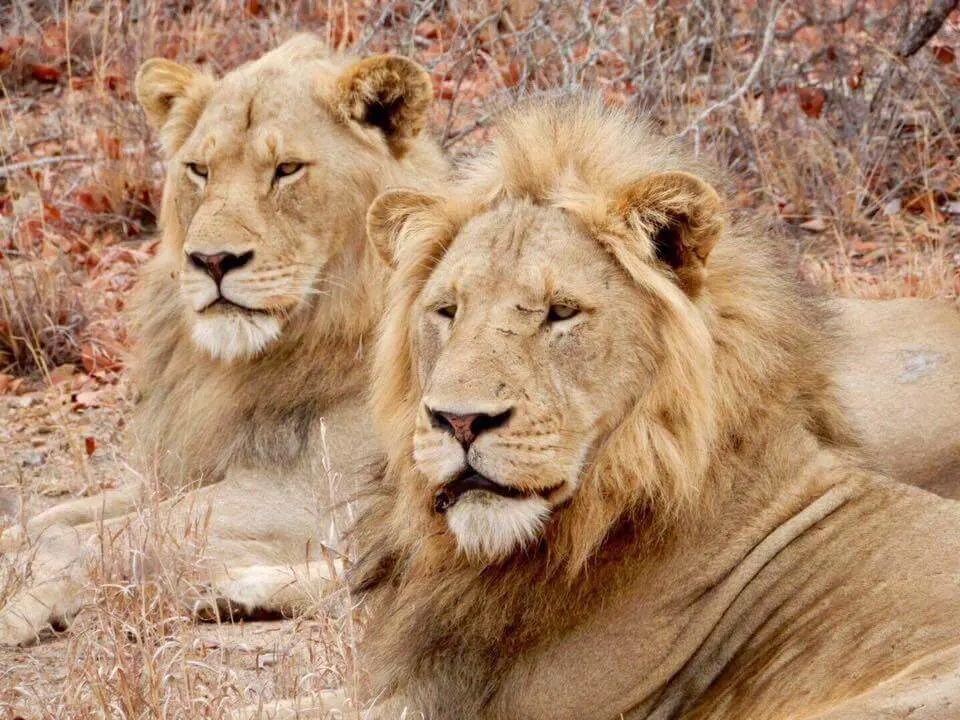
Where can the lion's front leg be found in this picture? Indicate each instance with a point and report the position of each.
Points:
(72, 513)
(255, 550)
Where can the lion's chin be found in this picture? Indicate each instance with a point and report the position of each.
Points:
(235, 336)
(489, 527)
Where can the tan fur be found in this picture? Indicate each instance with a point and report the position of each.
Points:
(277, 432)
(899, 375)
(714, 545)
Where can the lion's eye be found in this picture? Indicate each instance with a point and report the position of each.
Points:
(287, 170)
(557, 313)
(447, 311)
(197, 172)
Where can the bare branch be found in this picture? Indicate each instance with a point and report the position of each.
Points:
(768, 36)
(926, 27)
(8, 170)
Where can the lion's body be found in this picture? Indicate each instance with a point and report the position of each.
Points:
(662, 510)
(251, 424)
(898, 368)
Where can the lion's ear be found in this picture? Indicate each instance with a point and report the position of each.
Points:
(159, 84)
(681, 216)
(163, 86)
(387, 92)
(393, 212)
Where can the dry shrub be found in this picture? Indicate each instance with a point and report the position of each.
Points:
(136, 650)
(42, 316)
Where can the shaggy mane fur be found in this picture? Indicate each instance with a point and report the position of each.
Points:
(743, 372)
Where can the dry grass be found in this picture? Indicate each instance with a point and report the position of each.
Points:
(851, 148)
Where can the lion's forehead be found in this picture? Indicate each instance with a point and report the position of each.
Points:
(521, 250)
(245, 114)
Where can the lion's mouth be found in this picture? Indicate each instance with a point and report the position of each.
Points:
(222, 304)
(448, 495)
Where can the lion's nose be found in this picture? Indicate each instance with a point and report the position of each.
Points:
(466, 428)
(217, 265)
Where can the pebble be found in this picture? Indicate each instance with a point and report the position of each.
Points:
(33, 458)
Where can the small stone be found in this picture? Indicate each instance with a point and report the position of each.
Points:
(33, 458)
(816, 225)
(266, 660)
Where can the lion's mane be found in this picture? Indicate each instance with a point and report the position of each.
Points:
(742, 358)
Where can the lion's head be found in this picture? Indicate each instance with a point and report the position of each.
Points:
(549, 359)
(270, 172)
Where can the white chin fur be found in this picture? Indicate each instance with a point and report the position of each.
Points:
(492, 527)
(232, 337)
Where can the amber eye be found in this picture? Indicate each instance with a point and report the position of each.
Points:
(557, 313)
(447, 311)
(287, 169)
(197, 171)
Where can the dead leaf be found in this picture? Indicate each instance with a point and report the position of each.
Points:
(61, 374)
(45, 73)
(93, 201)
(944, 54)
(110, 144)
(8, 51)
(94, 357)
(90, 444)
(855, 78)
(6, 383)
(811, 101)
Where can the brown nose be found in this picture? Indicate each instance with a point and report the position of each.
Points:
(219, 264)
(466, 428)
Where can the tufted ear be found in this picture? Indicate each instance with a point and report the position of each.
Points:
(387, 92)
(391, 213)
(681, 215)
(159, 84)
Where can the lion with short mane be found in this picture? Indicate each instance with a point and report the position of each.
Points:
(619, 483)
(252, 322)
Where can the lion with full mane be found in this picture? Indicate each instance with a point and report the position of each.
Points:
(252, 322)
(619, 482)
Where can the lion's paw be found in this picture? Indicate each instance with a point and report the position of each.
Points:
(240, 592)
(22, 620)
(16, 632)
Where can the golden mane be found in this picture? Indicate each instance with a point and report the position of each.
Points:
(741, 356)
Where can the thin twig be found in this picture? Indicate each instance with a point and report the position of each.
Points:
(7, 170)
(768, 36)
